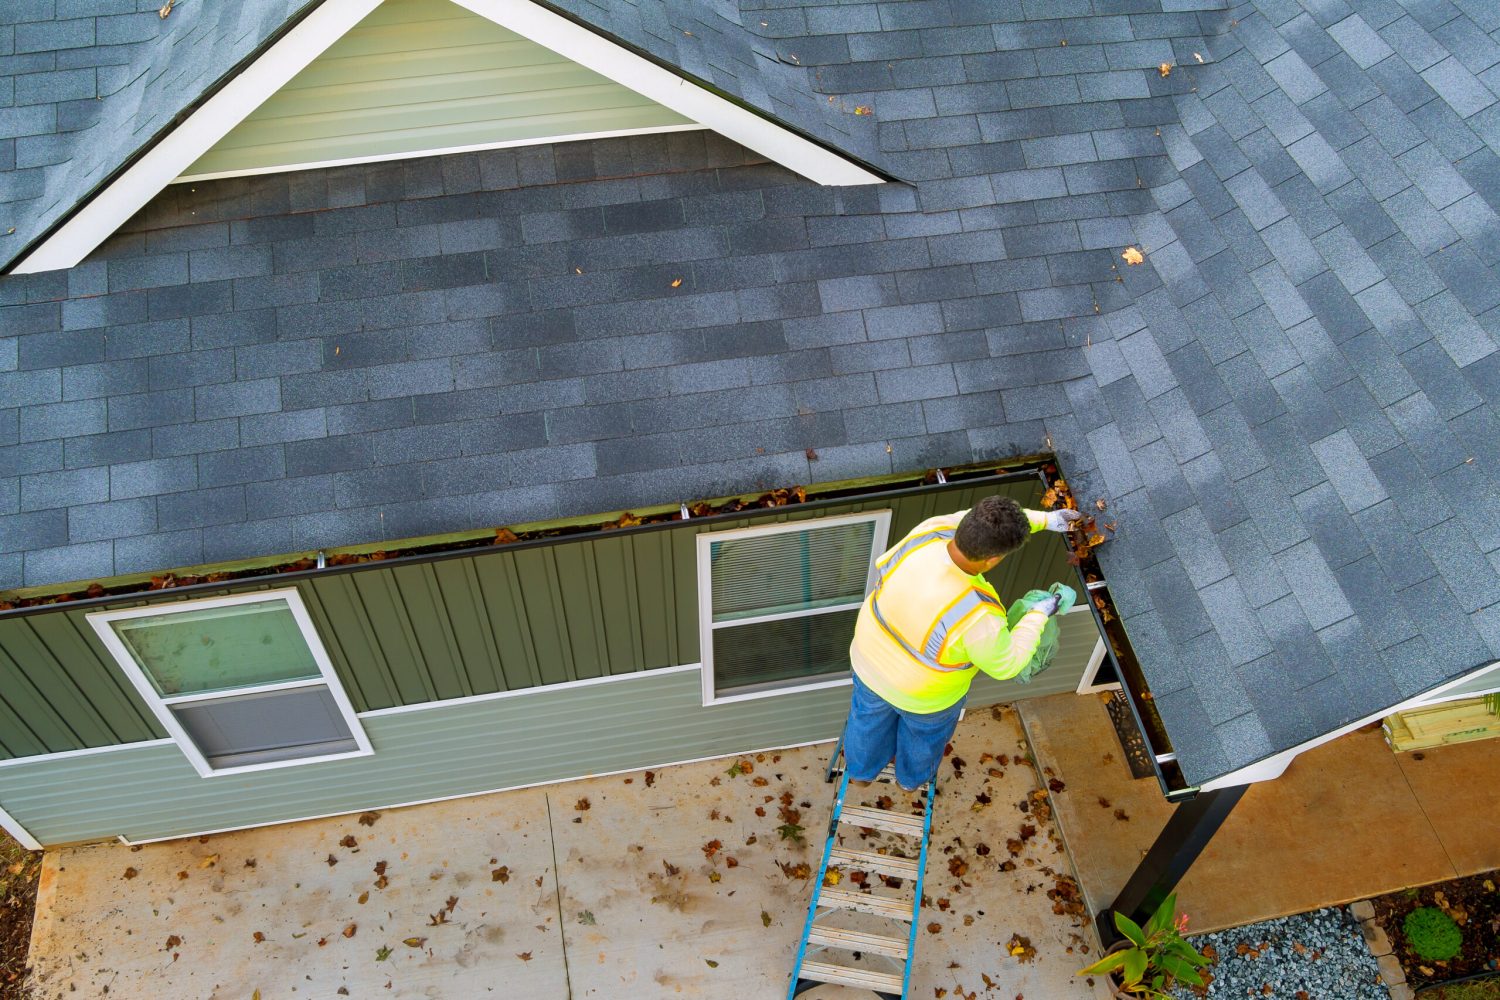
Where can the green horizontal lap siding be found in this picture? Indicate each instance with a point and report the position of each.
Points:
(548, 734)
(420, 75)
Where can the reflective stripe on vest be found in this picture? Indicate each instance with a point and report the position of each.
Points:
(952, 616)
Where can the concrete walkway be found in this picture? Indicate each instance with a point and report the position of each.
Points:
(1348, 820)
(672, 884)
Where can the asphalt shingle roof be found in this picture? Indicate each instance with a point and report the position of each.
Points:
(1291, 406)
(85, 85)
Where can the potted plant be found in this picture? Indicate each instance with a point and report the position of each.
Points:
(1151, 958)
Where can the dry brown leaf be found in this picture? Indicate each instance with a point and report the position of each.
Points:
(1132, 256)
(165, 9)
(349, 841)
(501, 874)
(131, 873)
(368, 819)
(209, 861)
(524, 956)
(349, 931)
(676, 282)
(1165, 69)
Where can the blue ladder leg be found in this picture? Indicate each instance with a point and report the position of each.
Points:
(798, 984)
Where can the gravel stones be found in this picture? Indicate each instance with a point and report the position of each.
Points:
(1319, 955)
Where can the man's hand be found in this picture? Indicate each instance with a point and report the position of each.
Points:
(1062, 520)
(1066, 596)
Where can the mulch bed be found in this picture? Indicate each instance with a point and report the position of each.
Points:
(19, 870)
(1472, 902)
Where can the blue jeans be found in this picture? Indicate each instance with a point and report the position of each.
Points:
(876, 731)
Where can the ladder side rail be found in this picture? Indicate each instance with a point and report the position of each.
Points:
(916, 906)
(812, 905)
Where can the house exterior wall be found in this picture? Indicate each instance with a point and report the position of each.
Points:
(447, 749)
(501, 619)
(423, 75)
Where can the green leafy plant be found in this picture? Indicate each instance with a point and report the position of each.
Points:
(1432, 934)
(1154, 956)
(1492, 702)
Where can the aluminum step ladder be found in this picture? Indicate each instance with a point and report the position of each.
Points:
(822, 934)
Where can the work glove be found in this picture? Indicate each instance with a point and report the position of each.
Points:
(1066, 596)
(1062, 520)
(1060, 598)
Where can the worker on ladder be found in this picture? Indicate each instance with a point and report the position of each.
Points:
(929, 624)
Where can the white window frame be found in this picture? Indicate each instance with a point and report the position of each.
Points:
(103, 625)
(706, 625)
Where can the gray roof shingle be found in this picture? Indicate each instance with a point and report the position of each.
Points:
(1290, 406)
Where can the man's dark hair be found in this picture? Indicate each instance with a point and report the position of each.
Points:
(995, 526)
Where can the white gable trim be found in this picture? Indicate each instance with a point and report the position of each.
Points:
(165, 162)
(445, 151)
(1276, 765)
(773, 141)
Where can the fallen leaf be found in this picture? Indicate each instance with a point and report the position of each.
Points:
(1165, 69)
(131, 873)
(332, 861)
(586, 917)
(812, 456)
(711, 963)
(351, 930)
(1197, 57)
(209, 861)
(863, 109)
(765, 919)
(349, 841)
(368, 819)
(714, 876)
(501, 874)
(364, 897)
(172, 942)
(382, 953)
(676, 282)
(414, 942)
(258, 936)
(582, 805)
(165, 9)
(1132, 256)
(934, 928)
(650, 778)
(524, 956)
(1122, 815)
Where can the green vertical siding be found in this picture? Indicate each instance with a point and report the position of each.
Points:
(420, 75)
(500, 619)
(548, 734)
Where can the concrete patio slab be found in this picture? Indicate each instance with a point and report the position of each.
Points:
(609, 887)
(1343, 823)
(305, 910)
(1458, 788)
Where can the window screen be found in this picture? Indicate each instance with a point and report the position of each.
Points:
(781, 601)
(239, 681)
(273, 725)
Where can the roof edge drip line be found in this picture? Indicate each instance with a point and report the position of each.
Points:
(833, 495)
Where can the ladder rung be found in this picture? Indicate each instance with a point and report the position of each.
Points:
(876, 944)
(848, 899)
(823, 972)
(882, 819)
(884, 864)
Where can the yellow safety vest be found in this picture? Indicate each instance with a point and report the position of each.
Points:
(920, 603)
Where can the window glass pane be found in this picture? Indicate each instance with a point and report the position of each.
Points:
(790, 570)
(264, 727)
(791, 649)
(218, 649)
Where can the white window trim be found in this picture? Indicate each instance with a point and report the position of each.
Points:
(105, 213)
(103, 625)
(882, 521)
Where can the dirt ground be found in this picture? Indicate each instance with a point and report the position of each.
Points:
(18, 877)
(1473, 903)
